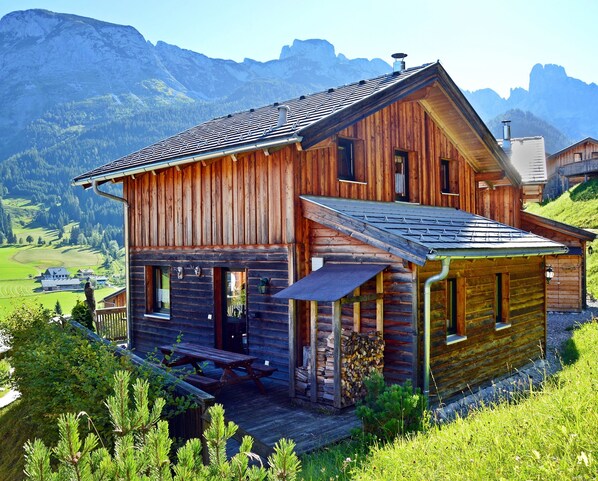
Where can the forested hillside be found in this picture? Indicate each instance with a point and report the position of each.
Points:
(6, 234)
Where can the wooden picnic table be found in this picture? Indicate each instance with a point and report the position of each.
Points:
(230, 362)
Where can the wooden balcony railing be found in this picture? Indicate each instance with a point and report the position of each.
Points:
(111, 323)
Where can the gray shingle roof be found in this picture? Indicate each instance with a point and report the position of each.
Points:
(253, 127)
(419, 233)
(528, 156)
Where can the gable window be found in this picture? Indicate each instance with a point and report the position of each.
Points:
(401, 176)
(350, 160)
(445, 176)
(501, 300)
(577, 157)
(594, 155)
(455, 308)
(158, 290)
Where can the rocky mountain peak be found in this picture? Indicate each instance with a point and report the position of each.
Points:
(313, 49)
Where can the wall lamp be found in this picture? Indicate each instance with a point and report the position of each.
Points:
(263, 285)
(179, 272)
(549, 274)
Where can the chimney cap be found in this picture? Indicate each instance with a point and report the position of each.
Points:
(398, 55)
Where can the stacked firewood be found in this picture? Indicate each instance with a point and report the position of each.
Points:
(361, 353)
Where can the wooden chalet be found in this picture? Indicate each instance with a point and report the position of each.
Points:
(570, 166)
(381, 214)
(528, 156)
(567, 290)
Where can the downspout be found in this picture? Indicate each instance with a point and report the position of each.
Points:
(446, 261)
(126, 242)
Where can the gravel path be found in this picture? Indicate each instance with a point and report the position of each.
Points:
(560, 328)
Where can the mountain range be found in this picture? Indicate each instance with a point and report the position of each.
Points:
(77, 92)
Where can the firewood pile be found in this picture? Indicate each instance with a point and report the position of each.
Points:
(361, 353)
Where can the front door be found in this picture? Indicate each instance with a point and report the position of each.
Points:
(234, 315)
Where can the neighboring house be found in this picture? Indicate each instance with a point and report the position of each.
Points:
(101, 280)
(56, 274)
(61, 285)
(116, 299)
(571, 166)
(528, 156)
(365, 200)
(567, 290)
(85, 273)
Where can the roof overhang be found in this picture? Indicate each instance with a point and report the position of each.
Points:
(330, 282)
(320, 210)
(118, 174)
(560, 227)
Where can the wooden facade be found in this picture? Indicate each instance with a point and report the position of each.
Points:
(584, 150)
(198, 220)
(567, 290)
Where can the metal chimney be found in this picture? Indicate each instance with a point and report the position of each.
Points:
(283, 111)
(399, 63)
(506, 135)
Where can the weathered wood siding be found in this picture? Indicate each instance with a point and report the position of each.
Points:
(399, 327)
(226, 202)
(487, 352)
(192, 299)
(566, 291)
(586, 149)
(502, 204)
(403, 126)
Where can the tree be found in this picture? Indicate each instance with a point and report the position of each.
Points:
(29, 239)
(142, 447)
(40, 241)
(58, 308)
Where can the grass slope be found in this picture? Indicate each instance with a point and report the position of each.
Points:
(579, 207)
(549, 436)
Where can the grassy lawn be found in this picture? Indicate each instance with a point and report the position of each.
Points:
(550, 435)
(20, 264)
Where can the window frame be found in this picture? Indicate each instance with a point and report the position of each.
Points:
(577, 156)
(455, 310)
(355, 170)
(445, 176)
(398, 153)
(153, 282)
(501, 304)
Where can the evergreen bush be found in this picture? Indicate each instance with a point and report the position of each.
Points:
(82, 315)
(390, 411)
(143, 446)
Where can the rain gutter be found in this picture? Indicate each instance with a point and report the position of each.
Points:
(126, 242)
(187, 160)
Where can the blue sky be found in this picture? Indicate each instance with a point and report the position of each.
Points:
(481, 43)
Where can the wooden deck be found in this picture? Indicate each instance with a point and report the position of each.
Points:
(269, 417)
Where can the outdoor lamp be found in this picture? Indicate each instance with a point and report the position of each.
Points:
(549, 274)
(263, 284)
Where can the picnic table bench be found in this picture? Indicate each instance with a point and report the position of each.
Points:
(236, 367)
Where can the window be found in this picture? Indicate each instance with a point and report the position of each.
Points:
(158, 290)
(445, 177)
(401, 176)
(451, 307)
(350, 160)
(501, 300)
(594, 155)
(455, 310)
(577, 157)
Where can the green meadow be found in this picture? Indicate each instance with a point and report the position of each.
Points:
(20, 265)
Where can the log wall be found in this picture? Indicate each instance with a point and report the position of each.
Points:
(487, 352)
(399, 327)
(192, 299)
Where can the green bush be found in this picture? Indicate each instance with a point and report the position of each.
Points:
(4, 373)
(56, 369)
(82, 315)
(390, 411)
(143, 447)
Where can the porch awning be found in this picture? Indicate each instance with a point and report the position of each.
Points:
(331, 282)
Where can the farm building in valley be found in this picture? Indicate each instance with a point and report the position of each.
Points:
(381, 214)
